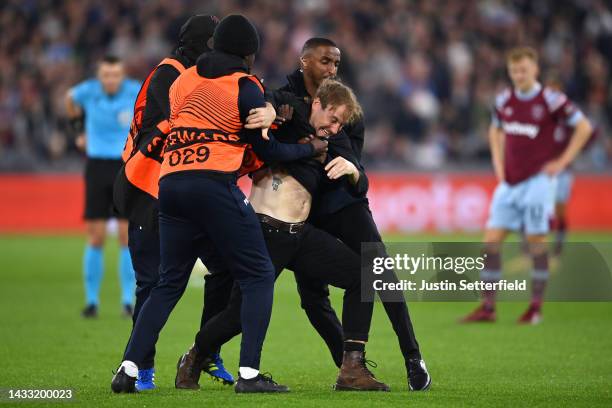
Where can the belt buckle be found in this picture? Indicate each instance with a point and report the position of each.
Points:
(291, 231)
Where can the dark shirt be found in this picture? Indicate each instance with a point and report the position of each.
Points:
(310, 172)
(334, 195)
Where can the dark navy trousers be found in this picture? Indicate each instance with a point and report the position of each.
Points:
(207, 216)
(144, 250)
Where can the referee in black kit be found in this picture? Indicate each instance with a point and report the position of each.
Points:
(202, 211)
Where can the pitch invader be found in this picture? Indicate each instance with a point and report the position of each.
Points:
(107, 104)
(526, 163)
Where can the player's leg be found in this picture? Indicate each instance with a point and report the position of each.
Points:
(93, 265)
(225, 325)
(503, 218)
(322, 257)
(217, 291)
(314, 299)
(238, 238)
(144, 252)
(218, 330)
(126, 270)
(178, 255)
(538, 202)
(563, 192)
(97, 212)
(539, 278)
(353, 225)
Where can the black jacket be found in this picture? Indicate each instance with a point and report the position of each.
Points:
(334, 196)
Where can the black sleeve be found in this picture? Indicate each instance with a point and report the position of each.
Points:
(340, 145)
(356, 133)
(159, 87)
(250, 97)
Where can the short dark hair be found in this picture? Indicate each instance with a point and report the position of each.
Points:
(110, 59)
(317, 42)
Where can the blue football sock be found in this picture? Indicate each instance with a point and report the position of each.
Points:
(93, 270)
(126, 276)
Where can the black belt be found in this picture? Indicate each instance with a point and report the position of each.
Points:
(292, 228)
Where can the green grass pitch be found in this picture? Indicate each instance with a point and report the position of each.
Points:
(44, 344)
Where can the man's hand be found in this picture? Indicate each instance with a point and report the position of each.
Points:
(81, 142)
(261, 117)
(339, 167)
(320, 146)
(285, 113)
(554, 167)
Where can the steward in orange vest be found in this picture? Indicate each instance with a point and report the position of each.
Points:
(136, 186)
(202, 212)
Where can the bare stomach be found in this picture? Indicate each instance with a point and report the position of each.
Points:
(279, 195)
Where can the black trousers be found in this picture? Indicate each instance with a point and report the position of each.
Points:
(144, 250)
(310, 254)
(207, 217)
(353, 225)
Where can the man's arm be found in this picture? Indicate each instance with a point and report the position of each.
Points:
(356, 134)
(159, 87)
(496, 144)
(76, 119)
(580, 137)
(250, 97)
(346, 164)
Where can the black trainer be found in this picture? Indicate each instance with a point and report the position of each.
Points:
(123, 382)
(261, 383)
(418, 377)
(90, 312)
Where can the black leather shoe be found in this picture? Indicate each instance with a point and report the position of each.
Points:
(261, 383)
(418, 377)
(123, 382)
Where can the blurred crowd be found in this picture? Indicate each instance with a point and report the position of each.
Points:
(425, 71)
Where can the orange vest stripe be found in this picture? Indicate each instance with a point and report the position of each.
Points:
(142, 166)
(205, 125)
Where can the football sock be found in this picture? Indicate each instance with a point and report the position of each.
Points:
(248, 373)
(130, 367)
(561, 228)
(491, 273)
(354, 346)
(93, 269)
(539, 279)
(126, 275)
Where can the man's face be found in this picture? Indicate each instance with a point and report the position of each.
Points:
(523, 73)
(321, 63)
(110, 75)
(327, 121)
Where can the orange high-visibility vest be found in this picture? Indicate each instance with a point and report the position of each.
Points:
(142, 164)
(205, 125)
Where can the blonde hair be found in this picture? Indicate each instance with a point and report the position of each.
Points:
(518, 53)
(335, 93)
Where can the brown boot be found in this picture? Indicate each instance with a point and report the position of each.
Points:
(188, 371)
(355, 376)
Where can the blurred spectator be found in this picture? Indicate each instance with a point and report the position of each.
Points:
(426, 71)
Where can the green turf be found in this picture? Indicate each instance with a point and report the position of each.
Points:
(566, 361)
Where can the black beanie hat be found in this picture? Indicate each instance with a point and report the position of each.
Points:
(235, 34)
(197, 30)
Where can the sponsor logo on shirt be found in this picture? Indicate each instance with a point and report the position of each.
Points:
(521, 129)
